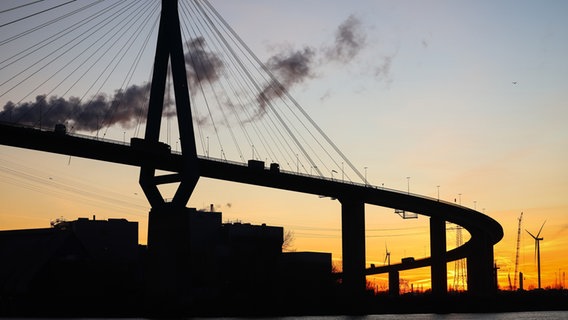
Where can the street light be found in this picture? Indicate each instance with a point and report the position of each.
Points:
(438, 192)
(365, 176)
(332, 171)
(408, 184)
(207, 149)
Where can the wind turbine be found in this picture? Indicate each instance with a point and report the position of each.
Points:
(387, 255)
(537, 241)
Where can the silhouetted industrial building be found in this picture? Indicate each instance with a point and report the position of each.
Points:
(99, 263)
(75, 261)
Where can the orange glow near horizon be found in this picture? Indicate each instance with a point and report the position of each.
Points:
(321, 233)
(312, 232)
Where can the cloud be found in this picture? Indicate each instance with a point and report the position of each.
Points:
(123, 108)
(349, 40)
(292, 68)
(383, 70)
(289, 68)
(201, 65)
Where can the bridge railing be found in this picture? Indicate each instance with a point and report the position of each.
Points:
(336, 180)
(68, 133)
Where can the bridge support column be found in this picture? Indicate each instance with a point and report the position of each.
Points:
(439, 269)
(394, 283)
(353, 245)
(168, 277)
(480, 269)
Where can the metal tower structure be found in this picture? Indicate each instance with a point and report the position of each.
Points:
(517, 252)
(460, 278)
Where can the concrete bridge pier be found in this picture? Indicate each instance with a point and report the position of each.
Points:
(168, 265)
(480, 269)
(439, 269)
(394, 283)
(353, 245)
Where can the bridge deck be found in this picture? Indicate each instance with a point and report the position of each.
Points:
(477, 224)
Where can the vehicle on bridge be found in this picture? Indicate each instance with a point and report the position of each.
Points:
(274, 167)
(60, 129)
(256, 164)
(150, 146)
(407, 260)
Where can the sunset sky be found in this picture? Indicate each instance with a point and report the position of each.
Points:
(465, 100)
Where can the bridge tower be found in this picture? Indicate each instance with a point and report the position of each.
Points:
(169, 265)
(169, 49)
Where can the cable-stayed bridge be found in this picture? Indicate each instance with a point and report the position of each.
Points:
(227, 103)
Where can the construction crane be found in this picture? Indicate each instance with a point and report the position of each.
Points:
(517, 254)
(510, 284)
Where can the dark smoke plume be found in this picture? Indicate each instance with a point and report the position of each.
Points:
(126, 106)
(123, 108)
(349, 40)
(292, 68)
(201, 65)
(383, 70)
(289, 68)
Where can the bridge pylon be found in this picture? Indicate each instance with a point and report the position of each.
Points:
(169, 256)
(169, 49)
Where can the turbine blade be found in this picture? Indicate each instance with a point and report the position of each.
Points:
(538, 234)
(530, 234)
